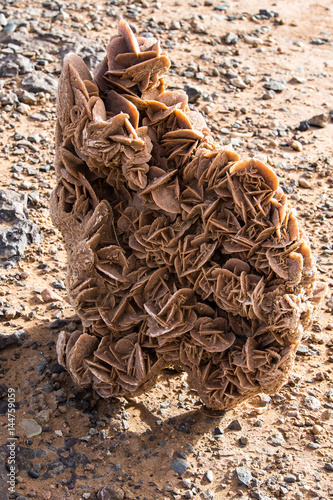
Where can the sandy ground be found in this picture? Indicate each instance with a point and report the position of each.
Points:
(285, 441)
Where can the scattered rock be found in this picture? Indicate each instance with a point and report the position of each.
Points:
(238, 82)
(27, 97)
(50, 296)
(31, 427)
(290, 478)
(111, 492)
(312, 403)
(208, 495)
(22, 63)
(209, 476)
(193, 93)
(317, 429)
(304, 183)
(275, 85)
(296, 145)
(39, 82)
(252, 40)
(179, 465)
(303, 126)
(183, 427)
(230, 39)
(12, 338)
(270, 94)
(244, 476)
(235, 425)
(319, 121)
(16, 230)
(43, 417)
(276, 439)
(302, 349)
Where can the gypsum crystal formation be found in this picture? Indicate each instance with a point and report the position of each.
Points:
(179, 254)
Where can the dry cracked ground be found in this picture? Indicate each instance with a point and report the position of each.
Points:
(261, 73)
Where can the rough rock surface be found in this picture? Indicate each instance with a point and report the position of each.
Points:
(16, 230)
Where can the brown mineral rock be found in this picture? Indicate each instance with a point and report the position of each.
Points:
(179, 253)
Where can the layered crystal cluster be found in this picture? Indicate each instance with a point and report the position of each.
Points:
(179, 254)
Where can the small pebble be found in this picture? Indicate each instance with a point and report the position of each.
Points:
(304, 183)
(235, 425)
(209, 476)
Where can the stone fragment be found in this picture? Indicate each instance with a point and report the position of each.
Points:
(31, 427)
(238, 82)
(39, 82)
(16, 230)
(304, 183)
(276, 439)
(193, 93)
(302, 349)
(320, 121)
(252, 40)
(230, 39)
(235, 425)
(8, 69)
(50, 296)
(290, 478)
(43, 417)
(27, 97)
(311, 403)
(179, 465)
(111, 492)
(244, 476)
(275, 85)
(317, 429)
(208, 495)
(12, 338)
(296, 145)
(209, 476)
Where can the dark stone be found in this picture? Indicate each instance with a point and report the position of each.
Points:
(33, 474)
(303, 126)
(193, 93)
(329, 466)
(40, 82)
(59, 323)
(267, 14)
(110, 492)
(16, 230)
(56, 368)
(179, 465)
(13, 338)
(235, 425)
(183, 427)
(244, 476)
